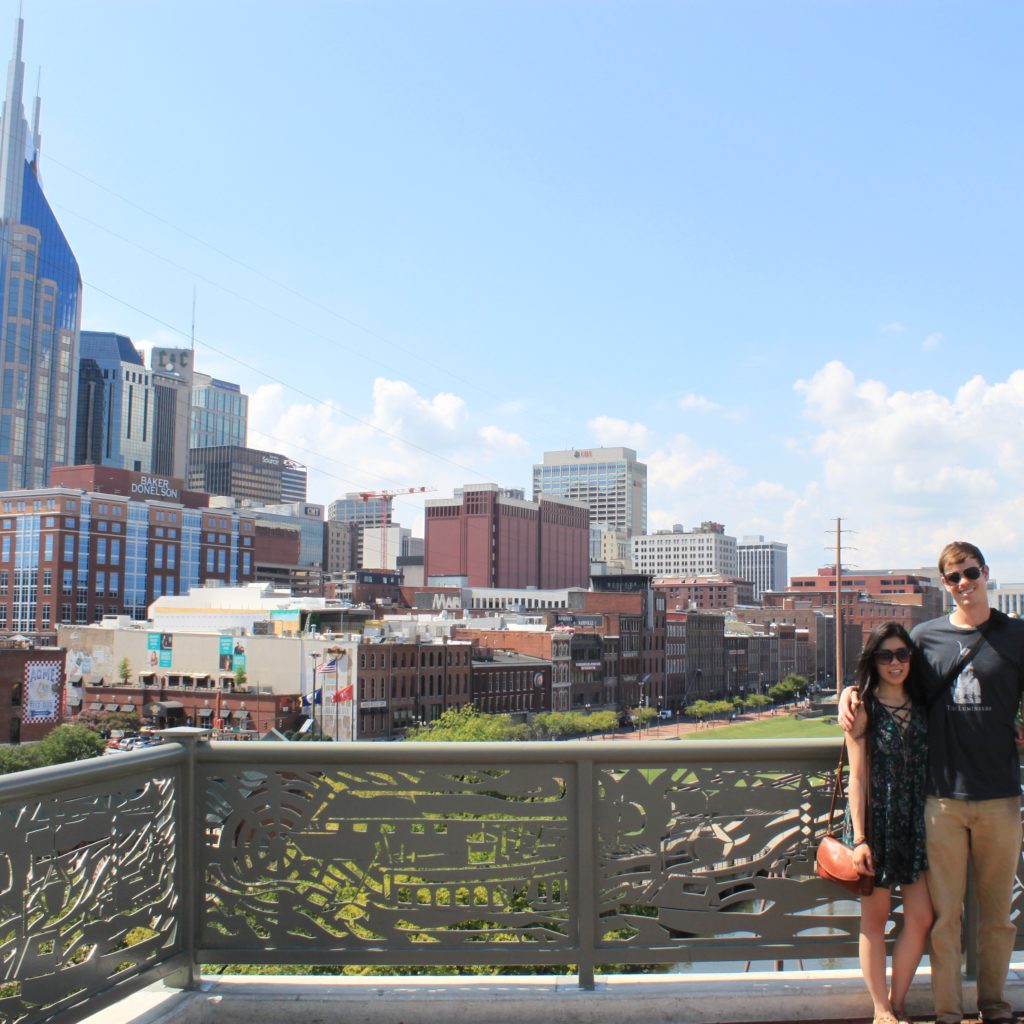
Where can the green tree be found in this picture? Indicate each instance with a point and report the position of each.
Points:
(104, 722)
(782, 692)
(799, 683)
(17, 759)
(241, 679)
(699, 709)
(124, 671)
(467, 724)
(757, 701)
(69, 743)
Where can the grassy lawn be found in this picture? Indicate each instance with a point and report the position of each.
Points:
(770, 728)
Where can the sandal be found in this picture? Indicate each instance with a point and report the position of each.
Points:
(885, 1018)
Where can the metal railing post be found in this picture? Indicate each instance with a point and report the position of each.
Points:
(189, 814)
(586, 873)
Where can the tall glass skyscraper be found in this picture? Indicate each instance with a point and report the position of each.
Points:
(40, 301)
(609, 481)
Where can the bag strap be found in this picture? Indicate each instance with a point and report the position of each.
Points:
(965, 658)
(838, 790)
(839, 794)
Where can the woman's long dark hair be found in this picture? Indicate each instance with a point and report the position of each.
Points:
(867, 670)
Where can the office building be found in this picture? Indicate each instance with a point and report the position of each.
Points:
(308, 518)
(764, 563)
(609, 481)
(71, 555)
(41, 293)
(484, 538)
(220, 413)
(128, 417)
(248, 474)
(704, 551)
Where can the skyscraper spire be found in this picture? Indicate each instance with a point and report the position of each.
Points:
(40, 304)
(37, 138)
(13, 132)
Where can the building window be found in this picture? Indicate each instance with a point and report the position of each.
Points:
(101, 584)
(65, 614)
(47, 582)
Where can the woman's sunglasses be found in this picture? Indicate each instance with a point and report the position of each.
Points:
(972, 572)
(901, 654)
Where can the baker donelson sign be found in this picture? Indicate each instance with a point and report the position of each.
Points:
(155, 487)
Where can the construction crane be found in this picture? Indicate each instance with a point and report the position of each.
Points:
(368, 495)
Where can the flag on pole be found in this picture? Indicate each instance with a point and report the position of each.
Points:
(328, 667)
(316, 697)
(345, 693)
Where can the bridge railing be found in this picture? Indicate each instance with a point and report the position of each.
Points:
(118, 871)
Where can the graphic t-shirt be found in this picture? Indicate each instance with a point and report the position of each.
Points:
(972, 751)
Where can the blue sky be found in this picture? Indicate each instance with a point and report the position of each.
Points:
(773, 246)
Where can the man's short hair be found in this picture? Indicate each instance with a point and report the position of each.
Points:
(957, 551)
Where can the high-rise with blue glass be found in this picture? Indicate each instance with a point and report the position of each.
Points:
(40, 301)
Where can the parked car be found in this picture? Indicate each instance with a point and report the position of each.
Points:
(665, 714)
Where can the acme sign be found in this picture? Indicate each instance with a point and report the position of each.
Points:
(155, 487)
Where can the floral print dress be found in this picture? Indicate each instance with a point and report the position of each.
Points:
(898, 749)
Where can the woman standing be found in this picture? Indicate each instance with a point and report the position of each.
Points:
(888, 749)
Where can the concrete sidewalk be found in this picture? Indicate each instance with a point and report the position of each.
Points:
(762, 998)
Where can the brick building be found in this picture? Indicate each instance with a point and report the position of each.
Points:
(31, 692)
(704, 593)
(510, 683)
(867, 599)
(73, 556)
(489, 537)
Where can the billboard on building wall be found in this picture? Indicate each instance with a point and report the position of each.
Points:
(160, 647)
(41, 691)
(232, 654)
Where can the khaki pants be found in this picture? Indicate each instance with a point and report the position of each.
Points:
(988, 833)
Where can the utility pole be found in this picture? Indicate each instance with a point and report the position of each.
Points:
(839, 605)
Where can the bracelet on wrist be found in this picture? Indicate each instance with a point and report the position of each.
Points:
(860, 841)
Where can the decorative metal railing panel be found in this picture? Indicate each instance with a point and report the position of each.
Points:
(714, 862)
(88, 884)
(363, 858)
(595, 857)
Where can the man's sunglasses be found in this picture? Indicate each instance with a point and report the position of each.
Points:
(901, 654)
(972, 572)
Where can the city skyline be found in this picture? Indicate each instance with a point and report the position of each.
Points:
(750, 241)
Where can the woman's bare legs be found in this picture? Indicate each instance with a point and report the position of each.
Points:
(910, 944)
(874, 915)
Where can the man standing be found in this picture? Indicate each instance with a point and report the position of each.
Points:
(974, 672)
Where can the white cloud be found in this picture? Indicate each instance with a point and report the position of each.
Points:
(609, 431)
(893, 327)
(350, 452)
(932, 342)
(697, 403)
(910, 470)
(504, 441)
